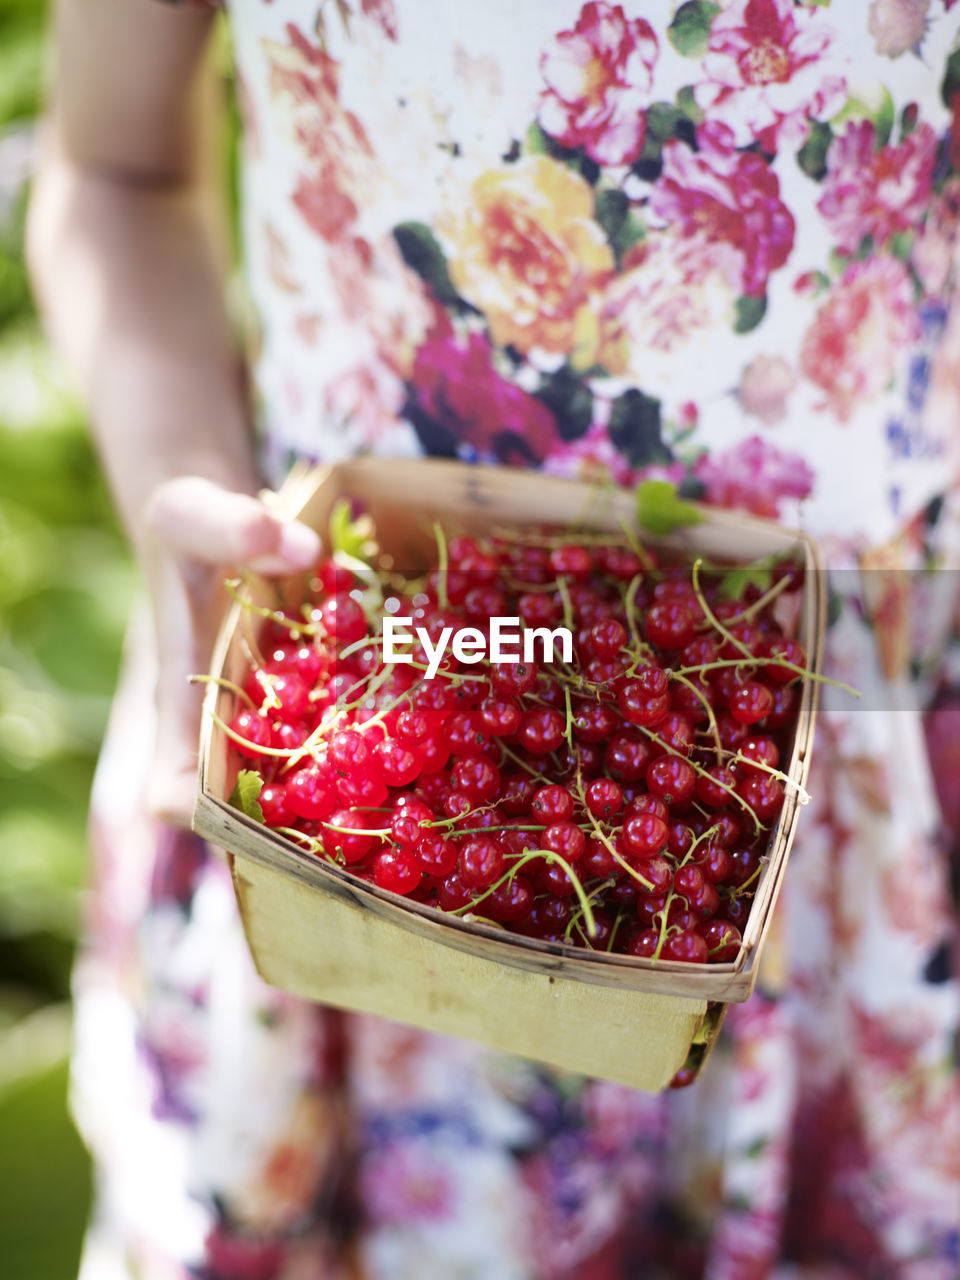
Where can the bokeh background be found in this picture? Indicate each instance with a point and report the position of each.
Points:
(66, 584)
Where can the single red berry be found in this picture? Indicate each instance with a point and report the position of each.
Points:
(570, 562)
(453, 893)
(477, 777)
(565, 839)
(513, 679)
(603, 797)
(250, 732)
(598, 860)
(396, 870)
(761, 749)
(510, 901)
(605, 639)
(399, 764)
(311, 792)
(646, 803)
(688, 881)
(762, 794)
(686, 946)
(751, 702)
(669, 624)
(343, 619)
(594, 721)
(790, 651)
(627, 756)
(275, 805)
(643, 835)
(552, 804)
(541, 730)
(352, 844)
(499, 717)
(715, 787)
(644, 944)
(672, 778)
(481, 862)
(723, 940)
(517, 793)
(435, 854)
(657, 876)
(743, 867)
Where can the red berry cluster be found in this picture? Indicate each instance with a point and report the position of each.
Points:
(620, 801)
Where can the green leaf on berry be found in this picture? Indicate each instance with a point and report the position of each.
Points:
(348, 536)
(245, 794)
(690, 29)
(660, 510)
(735, 581)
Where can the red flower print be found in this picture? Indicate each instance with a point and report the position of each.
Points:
(857, 333)
(458, 399)
(765, 75)
(383, 13)
(726, 195)
(870, 192)
(598, 80)
(754, 476)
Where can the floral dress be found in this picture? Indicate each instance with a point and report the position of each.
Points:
(714, 243)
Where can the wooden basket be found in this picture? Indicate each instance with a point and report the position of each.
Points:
(320, 932)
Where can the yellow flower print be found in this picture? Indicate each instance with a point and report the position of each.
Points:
(526, 251)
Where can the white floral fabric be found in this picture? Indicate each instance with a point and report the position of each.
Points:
(709, 242)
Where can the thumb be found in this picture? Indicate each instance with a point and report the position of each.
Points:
(198, 520)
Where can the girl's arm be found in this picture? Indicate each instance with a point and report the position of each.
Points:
(125, 248)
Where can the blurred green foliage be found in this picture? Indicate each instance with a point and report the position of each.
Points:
(65, 587)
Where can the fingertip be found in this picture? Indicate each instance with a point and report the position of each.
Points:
(299, 545)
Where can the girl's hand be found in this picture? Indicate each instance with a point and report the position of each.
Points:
(194, 534)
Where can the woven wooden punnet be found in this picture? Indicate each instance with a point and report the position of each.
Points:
(320, 932)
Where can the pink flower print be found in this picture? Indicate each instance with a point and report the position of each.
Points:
(765, 384)
(870, 192)
(405, 1185)
(934, 253)
(383, 14)
(754, 476)
(850, 347)
(897, 25)
(766, 77)
(726, 195)
(459, 400)
(672, 290)
(598, 80)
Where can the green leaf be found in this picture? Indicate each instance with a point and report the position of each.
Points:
(635, 429)
(879, 109)
(690, 29)
(421, 252)
(245, 793)
(569, 400)
(612, 211)
(688, 105)
(812, 156)
(951, 78)
(660, 510)
(535, 143)
(735, 581)
(350, 537)
(749, 312)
